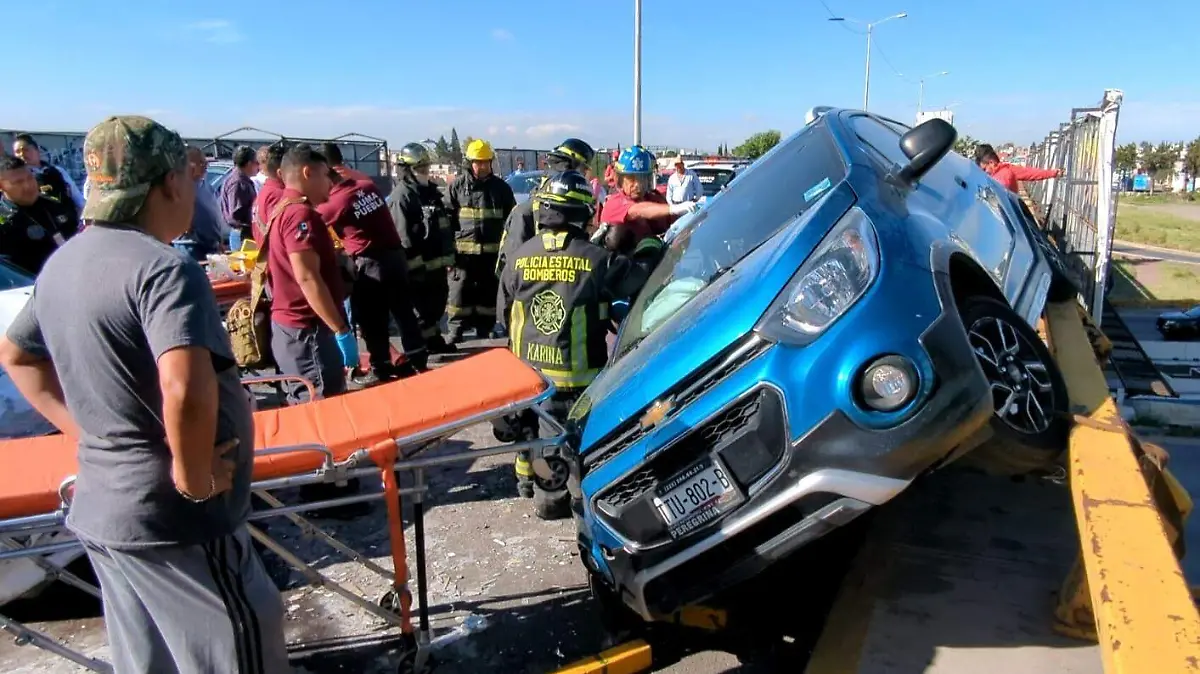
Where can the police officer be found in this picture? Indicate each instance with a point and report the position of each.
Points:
(421, 216)
(571, 155)
(556, 291)
(53, 181)
(479, 204)
(32, 225)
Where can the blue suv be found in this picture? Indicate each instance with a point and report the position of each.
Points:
(851, 312)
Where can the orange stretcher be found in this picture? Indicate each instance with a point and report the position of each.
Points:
(230, 291)
(377, 431)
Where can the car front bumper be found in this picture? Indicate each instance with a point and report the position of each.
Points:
(809, 476)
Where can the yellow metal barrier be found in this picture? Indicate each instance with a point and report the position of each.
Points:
(1145, 618)
(629, 658)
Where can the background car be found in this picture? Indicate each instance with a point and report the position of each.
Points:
(18, 419)
(217, 170)
(523, 184)
(854, 311)
(1179, 324)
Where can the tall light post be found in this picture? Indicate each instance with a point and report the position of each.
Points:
(870, 27)
(921, 90)
(637, 72)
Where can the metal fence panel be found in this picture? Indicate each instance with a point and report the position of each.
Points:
(1081, 206)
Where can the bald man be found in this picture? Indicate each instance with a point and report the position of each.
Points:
(208, 227)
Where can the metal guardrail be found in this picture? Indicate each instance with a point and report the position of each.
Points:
(1081, 206)
(1132, 586)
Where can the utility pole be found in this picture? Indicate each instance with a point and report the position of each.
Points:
(921, 90)
(637, 72)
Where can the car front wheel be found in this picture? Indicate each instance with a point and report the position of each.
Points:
(1029, 397)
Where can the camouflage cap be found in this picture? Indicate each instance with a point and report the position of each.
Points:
(124, 156)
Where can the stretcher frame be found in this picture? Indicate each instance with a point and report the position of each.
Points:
(404, 455)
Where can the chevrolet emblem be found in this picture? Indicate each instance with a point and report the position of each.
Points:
(657, 412)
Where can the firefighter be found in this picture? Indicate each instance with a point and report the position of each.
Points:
(423, 221)
(479, 203)
(571, 155)
(556, 291)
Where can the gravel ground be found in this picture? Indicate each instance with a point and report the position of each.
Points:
(488, 556)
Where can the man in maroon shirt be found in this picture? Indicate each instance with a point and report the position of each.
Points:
(310, 336)
(272, 187)
(360, 216)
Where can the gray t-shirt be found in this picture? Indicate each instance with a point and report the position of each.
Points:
(105, 307)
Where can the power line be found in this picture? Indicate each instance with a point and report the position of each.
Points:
(886, 60)
(841, 24)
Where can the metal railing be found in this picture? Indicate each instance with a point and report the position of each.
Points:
(1081, 205)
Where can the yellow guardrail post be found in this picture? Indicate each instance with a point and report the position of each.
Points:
(628, 658)
(1144, 615)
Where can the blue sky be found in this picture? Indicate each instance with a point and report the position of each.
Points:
(529, 72)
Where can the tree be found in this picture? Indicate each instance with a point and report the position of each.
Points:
(441, 150)
(965, 145)
(1160, 162)
(1126, 158)
(757, 145)
(456, 154)
(1191, 164)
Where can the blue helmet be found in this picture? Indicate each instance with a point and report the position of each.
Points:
(635, 160)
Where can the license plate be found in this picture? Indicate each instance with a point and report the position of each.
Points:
(695, 497)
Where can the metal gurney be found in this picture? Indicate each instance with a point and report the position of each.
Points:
(375, 432)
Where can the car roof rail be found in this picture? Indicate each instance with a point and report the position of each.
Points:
(815, 112)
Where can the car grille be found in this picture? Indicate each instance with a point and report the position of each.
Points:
(749, 435)
(690, 449)
(701, 381)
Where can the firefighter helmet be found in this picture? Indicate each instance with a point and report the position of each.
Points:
(565, 199)
(480, 150)
(575, 151)
(414, 154)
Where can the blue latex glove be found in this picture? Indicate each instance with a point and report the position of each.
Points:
(348, 345)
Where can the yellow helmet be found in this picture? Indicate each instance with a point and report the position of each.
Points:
(480, 150)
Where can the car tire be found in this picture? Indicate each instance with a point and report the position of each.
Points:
(1031, 410)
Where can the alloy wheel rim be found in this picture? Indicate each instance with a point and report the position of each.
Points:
(1021, 388)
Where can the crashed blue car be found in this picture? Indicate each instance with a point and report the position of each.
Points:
(851, 312)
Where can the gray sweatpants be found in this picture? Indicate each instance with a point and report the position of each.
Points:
(201, 609)
(311, 353)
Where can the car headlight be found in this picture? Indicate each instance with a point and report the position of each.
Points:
(830, 281)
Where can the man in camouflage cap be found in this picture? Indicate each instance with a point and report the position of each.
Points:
(165, 432)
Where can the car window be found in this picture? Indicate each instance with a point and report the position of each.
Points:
(1194, 311)
(881, 138)
(712, 180)
(524, 183)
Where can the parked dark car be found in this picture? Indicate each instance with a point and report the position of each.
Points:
(1179, 324)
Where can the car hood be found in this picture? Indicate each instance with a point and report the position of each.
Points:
(694, 335)
(1174, 316)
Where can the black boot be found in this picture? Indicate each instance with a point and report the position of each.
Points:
(551, 505)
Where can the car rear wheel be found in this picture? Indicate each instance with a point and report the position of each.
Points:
(1029, 397)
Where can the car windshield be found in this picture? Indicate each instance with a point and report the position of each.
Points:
(1194, 312)
(524, 183)
(713, 179)
(12, 276)
(772, 192)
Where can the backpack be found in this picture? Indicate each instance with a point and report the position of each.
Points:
(249, 319)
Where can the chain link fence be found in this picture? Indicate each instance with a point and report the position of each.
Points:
(1081, 206)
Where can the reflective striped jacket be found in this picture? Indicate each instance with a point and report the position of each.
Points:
(479, 209)
(556, 292)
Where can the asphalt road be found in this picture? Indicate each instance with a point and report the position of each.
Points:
(1166, 254)
(489, 556)
(1141, 323)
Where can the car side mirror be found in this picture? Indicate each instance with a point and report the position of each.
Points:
(925, 145)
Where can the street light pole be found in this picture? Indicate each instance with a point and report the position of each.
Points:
(870, 27)
(637, 72)
(921, 90)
